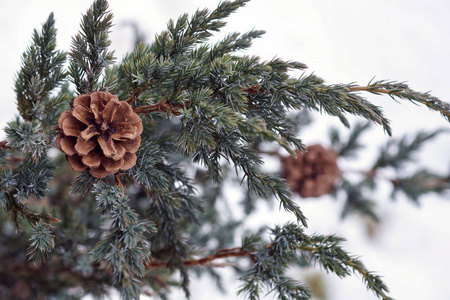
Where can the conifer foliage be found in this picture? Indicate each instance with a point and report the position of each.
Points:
(205, 111)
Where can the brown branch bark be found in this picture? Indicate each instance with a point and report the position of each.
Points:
(118, 182)
(370, 89)
(207, 260)
(159, 107)
(132, 97)
(3, 145)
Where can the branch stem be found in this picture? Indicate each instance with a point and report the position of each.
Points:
(207, 260)
(161, 106)
(372, 89)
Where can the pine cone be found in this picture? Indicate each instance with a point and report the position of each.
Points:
(313, 173)
(100, 133)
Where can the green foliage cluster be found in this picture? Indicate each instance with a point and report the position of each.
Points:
(206, 111)
(41, 72)
(396, 156)
(290, 245)
(125, 247)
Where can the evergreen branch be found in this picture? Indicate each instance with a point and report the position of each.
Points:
(270, 261)
(169, 207)
(207, 260)
(234, 42)
(327, 251)
(33, 178)
(126, 248)
(55, 105)
(349, 147)
(89, 53)
(27, 137)
(269, 269)
(41, 70)
(161, 106)
(335, 100)
(402, 91)
(279, 188)
(30, 178)
(17, 209)
(167, 240)
(146, 173)
(397, 152)
(357, 201)
(83, 183)
(335, 259)
(42, 242)
(183, 34)
(140, 70)
(419, 184)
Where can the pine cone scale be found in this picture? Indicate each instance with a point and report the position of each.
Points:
(76, 163)
(89, 132)
(100, 133)
(82, 101)
(129, 160)
(120, 152)
(83, 115)
(112, 165)
(83, 147)
(71, 126)
(68, 145)
(99, 172)
(130, 146)
(126, 132)
(92, 159)
(98, 102)
(62, 118)
(124, 111)
(110, 110)
(108, 147)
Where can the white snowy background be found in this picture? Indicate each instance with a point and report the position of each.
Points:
(341, 41)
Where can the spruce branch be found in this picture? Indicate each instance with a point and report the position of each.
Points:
(41, 72)
(397, 152)
(83, 183)
(325, 250)
(401, 90)
(357, 200)
(42, 242)
(126, 247)
(348, 148)
(28, 137)
(420, 183)
(234, 42)
(29, 179)
(89, 54)
(185, 33)
(169, 207)
(335, 100)
(18, 210)
(270, 261)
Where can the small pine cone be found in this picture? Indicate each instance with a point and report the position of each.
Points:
(100, 133)
(313, 173)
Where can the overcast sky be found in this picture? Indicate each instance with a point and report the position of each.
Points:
(341, 41)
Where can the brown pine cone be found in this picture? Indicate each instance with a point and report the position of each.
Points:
(100, 133)
(313, 173)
